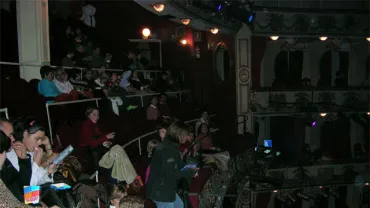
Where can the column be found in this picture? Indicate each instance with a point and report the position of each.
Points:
(306, 70)
(243, 80)
(264, 130)
(335, 65)
(356, 135)
(33, 36)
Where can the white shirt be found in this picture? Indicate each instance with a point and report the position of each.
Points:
(64, 87)
(88, 12)
(39, 174)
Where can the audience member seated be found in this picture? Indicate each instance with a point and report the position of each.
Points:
(68, 59)
(119, 198)
(152, 112)
(47, 87)
(150, 148)
(75, 79)
(89, 79)
(101, 81)
(167, 168)
(164, 109)
(6, 196)
(63, 85)
(31, 134)
(97, 60)
(202, 120)
(204, 140)
(113, 84)
(91, 138)
(13, 179)
(136, 82)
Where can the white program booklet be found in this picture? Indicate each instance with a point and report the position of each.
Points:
(63, 155)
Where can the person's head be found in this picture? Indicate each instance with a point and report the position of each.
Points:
(203, 129)
(80, 48)
(131, 54)
(154, 100)
(162, 128)
(134, 74)
(150, 148)
(105, 91)
(4, 146)
(116, 193)
(103, 78)
(163, 98)
(7, 128)
(47, 73)
(96, 51)
(114, 77)
(178, 133)
(205, 115)
(92, 113)
(88, 75)
(30, 132)
(60, 74)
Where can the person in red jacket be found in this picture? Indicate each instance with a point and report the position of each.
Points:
(91, 137)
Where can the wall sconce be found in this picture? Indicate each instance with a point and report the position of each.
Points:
(183, 41)
(214, 30)
(146, 33)
(323, 38)
(158, 7)
(274, 37)
(185, 21)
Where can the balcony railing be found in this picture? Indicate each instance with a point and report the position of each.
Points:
(311, 100)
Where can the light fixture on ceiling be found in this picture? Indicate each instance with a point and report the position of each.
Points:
(185, 21)
(274, 37)
(146, 33)
(214, 30)
(368, 39)
(323, 38)
(159, 7)
(183, 41)
(322, 114)
(368, 113)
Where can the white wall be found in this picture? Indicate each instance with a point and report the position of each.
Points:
(311, 61)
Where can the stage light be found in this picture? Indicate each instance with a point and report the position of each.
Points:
(368, 39)
(183, 41)
(214, 30)
(146, 33)
(274, 37)
(310, 122)
(322, 114)
(158, 7)
(185, 21)
(323, 38)
(368, 113)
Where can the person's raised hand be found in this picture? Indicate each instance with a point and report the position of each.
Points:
(20, 149)
(111, 135)
(52, 168)
(37, 155)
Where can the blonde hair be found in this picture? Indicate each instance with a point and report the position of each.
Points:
(116, 191)
(150, 148)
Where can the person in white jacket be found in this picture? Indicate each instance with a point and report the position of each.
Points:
(88, 15)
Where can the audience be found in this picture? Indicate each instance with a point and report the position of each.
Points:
(167, 168)
(47, 87)
(91, 138)
(152, 112)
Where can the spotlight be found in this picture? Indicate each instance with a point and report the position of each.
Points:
(185, 21)
(274, 37)
(146, 33)
(368, 113)
(303, 196)
(214, 30)
(183, 41)
(322, 114)
(323, 38)
(366, 184)
(368, 39)
(158, 7)
(310, 122)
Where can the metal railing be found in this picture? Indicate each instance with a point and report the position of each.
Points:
(5, 110)
(96, 100)
(144, 72)
(138, 139)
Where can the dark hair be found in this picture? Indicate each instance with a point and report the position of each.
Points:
(115, 191)
(27, 124)
(175, 131)
(199, 130)
(89, 110)
(167, 121)
(45, 70)
(4, 142)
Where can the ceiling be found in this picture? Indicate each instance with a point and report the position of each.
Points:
(301, 18)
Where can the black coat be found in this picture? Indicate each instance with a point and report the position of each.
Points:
(165, 171)
(14, 180)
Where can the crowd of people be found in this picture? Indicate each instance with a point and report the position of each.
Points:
(27, 160)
